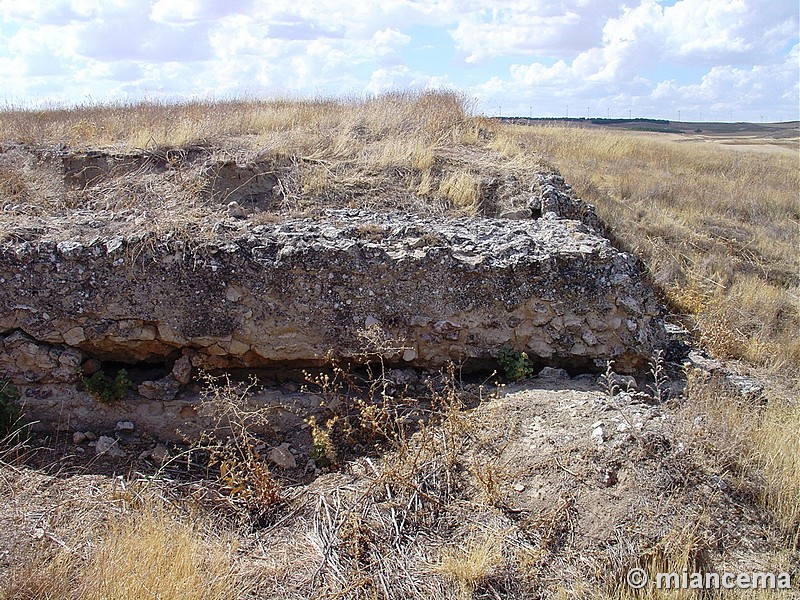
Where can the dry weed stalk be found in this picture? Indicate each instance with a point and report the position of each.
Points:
(234, 448)
(366, 411)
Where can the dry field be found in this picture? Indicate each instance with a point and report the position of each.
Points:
(717, 228)
(500, 492)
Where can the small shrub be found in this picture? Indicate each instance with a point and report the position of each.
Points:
(515, 365)
(106, 390)
(246, 477)
(363, 415)
(492, 478)
(234, 448)
(8, 411)
(323, 451)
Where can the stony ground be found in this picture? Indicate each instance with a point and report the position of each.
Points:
(553, 485)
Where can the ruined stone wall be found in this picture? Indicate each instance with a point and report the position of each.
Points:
(346, 285)
(294, 292)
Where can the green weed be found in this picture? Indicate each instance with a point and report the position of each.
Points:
(515, 365)
(106, 390)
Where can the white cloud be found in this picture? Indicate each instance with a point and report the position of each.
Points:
(727, 88)
(538, 74)
(55, 12)
(738, 42)
(718, 30)
(187, 12)
(401, 77)
(514, 28)
(387, 41)
(701, 29)
(599, 53)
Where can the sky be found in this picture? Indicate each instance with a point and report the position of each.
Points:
(690, 60)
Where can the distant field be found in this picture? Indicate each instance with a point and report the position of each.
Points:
(772, 136)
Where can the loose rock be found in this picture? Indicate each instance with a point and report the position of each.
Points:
(109, 446)
(282, 457)
(552, 373)
(91, 366)
(598, 433)
(182, 370)
(160, 453)
(236, 211)
(164, 389)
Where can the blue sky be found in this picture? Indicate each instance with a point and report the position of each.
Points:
(709, 59)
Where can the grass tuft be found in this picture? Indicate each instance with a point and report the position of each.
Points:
(471, 563)
(461, 190)
(153, 553)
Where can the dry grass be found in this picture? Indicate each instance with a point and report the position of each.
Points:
(680, 550)
(320, 127)
(147, 550)
(152, 553)
(758, 444)
(775, 444)
(170, 171)
(462, 191)
(717, 228)
(751, 451)
(434, 515)
(471, 563)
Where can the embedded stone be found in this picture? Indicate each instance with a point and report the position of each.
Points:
(74, 336)
(91, 366)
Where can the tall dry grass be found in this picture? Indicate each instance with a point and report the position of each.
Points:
(146, 552)
(717, 228)
(153, 553)
(321, 128)
(755, 445)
